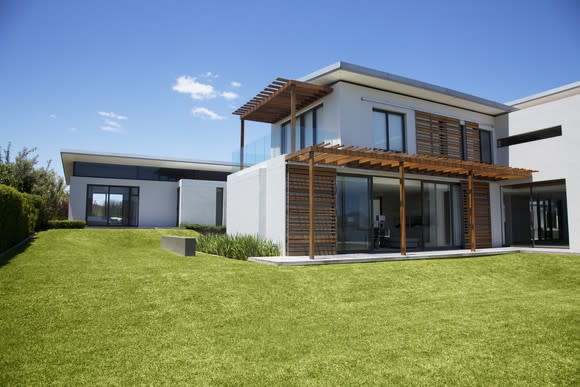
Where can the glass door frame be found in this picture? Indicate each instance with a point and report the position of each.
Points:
(125, 202)
(371, 197)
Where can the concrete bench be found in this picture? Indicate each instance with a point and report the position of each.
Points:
(181, 245)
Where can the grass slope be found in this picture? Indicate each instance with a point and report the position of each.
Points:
(110, 307)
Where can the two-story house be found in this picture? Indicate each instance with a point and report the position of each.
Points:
(367, 161)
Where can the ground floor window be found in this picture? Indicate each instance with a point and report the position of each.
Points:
(536, 214)
(112, 205)
(368, 214)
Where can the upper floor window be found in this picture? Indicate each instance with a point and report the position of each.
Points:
(388, 131)
(485, 144)
(307, 130)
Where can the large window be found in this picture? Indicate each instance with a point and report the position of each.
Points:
(112, 205)
(485, 143)
(353, 212)
(308, 130)
(116, 171)
(388, 131)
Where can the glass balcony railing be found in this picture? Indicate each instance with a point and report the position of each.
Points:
(256, 151)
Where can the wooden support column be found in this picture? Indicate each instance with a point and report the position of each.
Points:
(471, 207)
(293, 118)
(241, 143)
(311, 205)
(402, 208)
(532, 239)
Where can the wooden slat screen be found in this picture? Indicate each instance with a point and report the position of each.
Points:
(438, 135)
(441, 136)
(297, 210)
(482, 215)
(473, 141)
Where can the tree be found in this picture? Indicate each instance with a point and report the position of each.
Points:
(23, 174)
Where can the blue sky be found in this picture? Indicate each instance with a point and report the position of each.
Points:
(161, 78)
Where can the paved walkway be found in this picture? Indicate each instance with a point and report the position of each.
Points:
(380, 257)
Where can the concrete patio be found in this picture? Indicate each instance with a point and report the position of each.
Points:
(380, 257)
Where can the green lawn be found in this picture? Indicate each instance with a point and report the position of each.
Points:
(110, 307)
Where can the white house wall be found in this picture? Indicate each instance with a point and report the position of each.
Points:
(197, 201)
(157, 200)
(556, 157)
(256, 201)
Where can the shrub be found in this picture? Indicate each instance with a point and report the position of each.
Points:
(237, 246)
(20, 216)
(66, 224)
(205, 229)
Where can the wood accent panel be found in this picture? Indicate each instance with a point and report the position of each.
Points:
(297, 221)
(438, 135)
(482, 215)
(473, 141)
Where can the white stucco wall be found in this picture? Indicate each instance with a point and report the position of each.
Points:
(556, 157)
(197, 201)
(256, 201)
(157, 199)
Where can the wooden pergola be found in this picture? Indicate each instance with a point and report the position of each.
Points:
(377, 159)
(280, 99)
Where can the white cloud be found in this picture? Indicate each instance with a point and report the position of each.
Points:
(72, 129)
(195, 89)
(52, 116)
(112, 123)
(205, 113)
(229, 95)
(235, 84)
(210, 75)
(111, 129)
(113, 115)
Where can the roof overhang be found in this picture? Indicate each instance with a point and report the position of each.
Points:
(69, 157)
(343, 71)
(555, 94)
(376, 159)
(274, 102)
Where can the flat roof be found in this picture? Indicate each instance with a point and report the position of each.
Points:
(69, 156)
(547, 96)
(344, 71)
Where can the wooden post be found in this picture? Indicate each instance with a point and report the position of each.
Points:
(241, 143)
(532, 240)
(471, 205)
(402, 212)
(311, 206)
(293, 118)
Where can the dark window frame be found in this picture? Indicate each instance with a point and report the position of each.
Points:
(301, 119)
(133, 172)
(403, 128)
(482, 133)
(134, 191)
(219, 206)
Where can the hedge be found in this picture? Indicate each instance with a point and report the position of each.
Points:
(205, 229)
(20, 215)
(66, 224)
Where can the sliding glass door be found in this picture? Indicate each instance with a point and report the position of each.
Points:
(112, 206)
(434, 214)
(353, 213)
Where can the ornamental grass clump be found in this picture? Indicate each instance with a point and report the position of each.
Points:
(237, 246)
